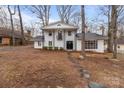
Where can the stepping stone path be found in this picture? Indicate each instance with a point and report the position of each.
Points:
(96, 85)
(86, 74)
(83, 73)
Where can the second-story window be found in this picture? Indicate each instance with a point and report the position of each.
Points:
(69, 33)
(50, 33)
(59, 35)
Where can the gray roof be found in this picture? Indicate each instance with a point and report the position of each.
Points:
(59, 25)
(92, 36)
(38, 38)
(120, 40)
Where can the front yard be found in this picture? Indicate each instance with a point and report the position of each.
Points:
(25, 66)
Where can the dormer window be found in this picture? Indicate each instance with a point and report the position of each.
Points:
(50, 33)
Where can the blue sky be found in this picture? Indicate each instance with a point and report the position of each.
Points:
(91, 12)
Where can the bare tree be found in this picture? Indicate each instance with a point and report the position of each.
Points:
(65, 12)
(42, 12)
(12, 26)
(3, 17)
(21, 26)
(83, 32)
(76, 18)
(107, 10)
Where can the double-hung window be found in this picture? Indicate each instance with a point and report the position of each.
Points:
(60, 35)
(50, 43)
(69, 33)
(39, 43)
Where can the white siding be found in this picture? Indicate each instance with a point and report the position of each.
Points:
(59, 43)
(121, 49)
(36, 45)
(47, 38)
(78, 45)
(100, 46)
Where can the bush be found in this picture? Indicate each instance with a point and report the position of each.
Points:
(55, 48)
(61, 48)
(50, 48)
(45, 47)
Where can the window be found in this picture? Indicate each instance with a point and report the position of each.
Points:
(50, 33)
(39, 43)
(118, 46)
(50, 43)
(69, 33)
(0, 40)
(59, 35)
(91, 44)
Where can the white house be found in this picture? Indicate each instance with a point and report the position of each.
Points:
(64, 36)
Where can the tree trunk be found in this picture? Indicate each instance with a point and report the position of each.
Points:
(114, 28)
(13, 36)
(110, 32)
(21, 26)
(110, 39)
(12, 26)
(83, 31)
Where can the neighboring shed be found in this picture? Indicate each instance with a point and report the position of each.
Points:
(6, 36)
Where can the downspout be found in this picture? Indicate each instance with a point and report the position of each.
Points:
(75, 40)
(53, 39)
(64, 40)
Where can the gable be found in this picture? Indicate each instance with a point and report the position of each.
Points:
(59, 25)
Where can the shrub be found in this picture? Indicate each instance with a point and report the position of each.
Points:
(45, 47)
(50, 48)
(61, 48)
(55, 48)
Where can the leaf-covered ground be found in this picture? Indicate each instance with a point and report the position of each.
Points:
(25, 66)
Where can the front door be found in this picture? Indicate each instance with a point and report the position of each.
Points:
(69, 45)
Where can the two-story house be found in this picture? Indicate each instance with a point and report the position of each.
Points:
(65, 36)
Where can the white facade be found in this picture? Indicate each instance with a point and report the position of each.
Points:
(100, 46)
(59, 43)
(69, 39)
(38, 46)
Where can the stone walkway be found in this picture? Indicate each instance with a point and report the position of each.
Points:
(84, 73)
